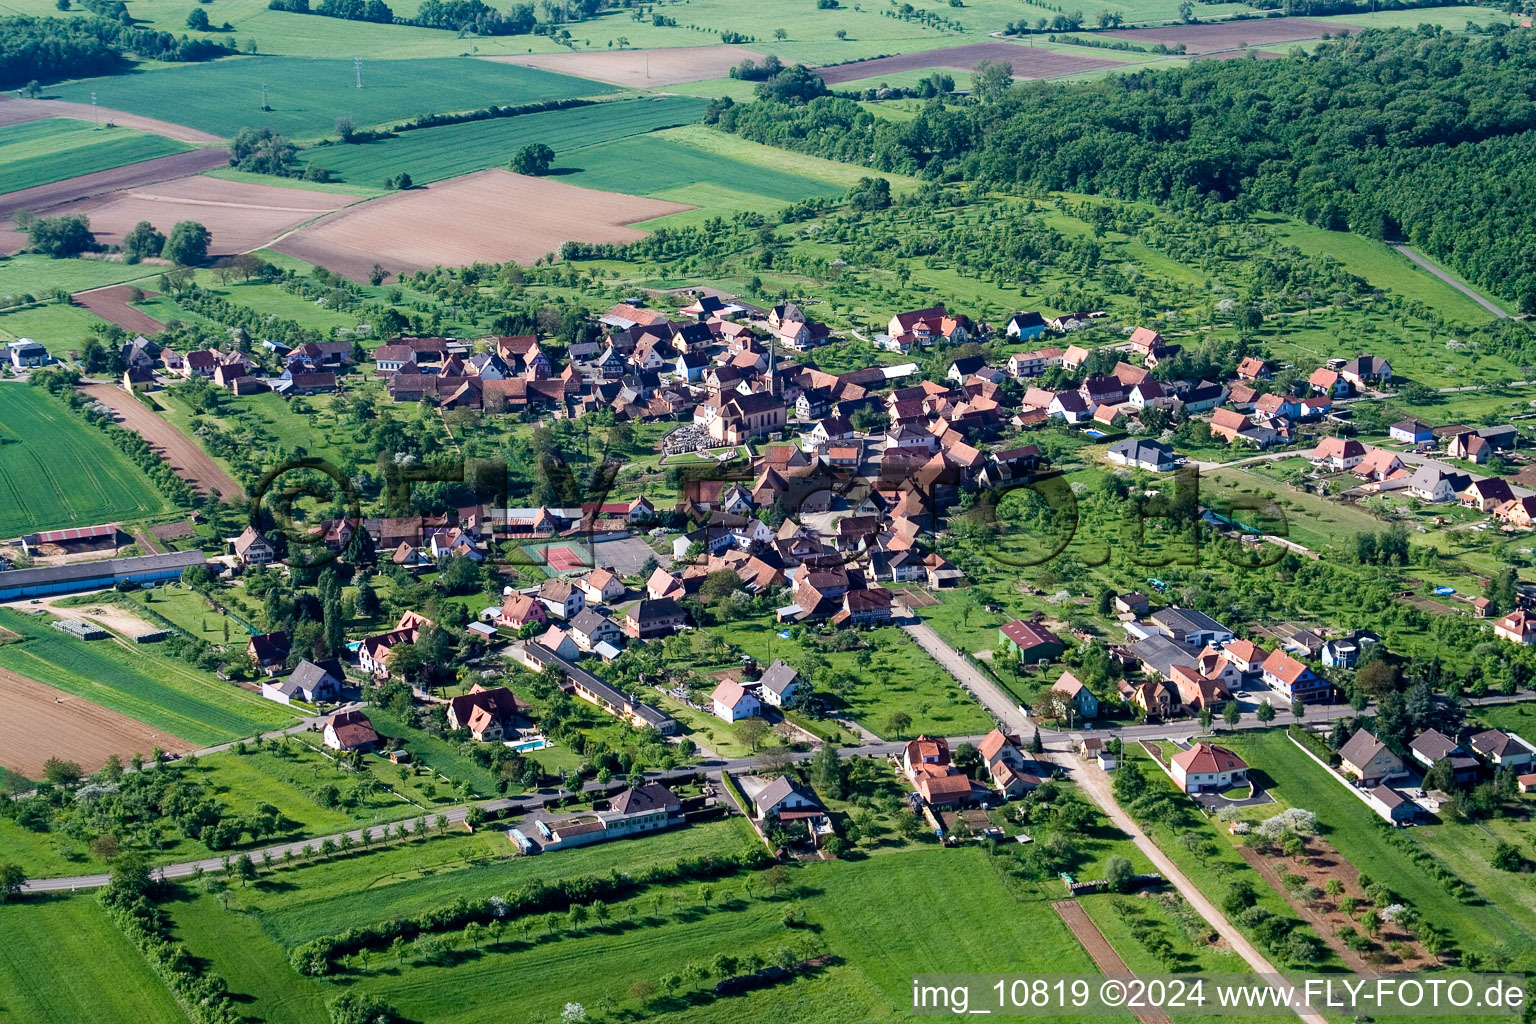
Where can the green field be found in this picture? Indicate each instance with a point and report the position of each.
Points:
(40, 152)
(57, 326)
(308, 95)
(56, 470)
(155, 690)
(653, 166)
(899, 677)
(432, 154)
(28, 274)
(108, 980)
(861, 910)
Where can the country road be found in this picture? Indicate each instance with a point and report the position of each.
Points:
(1448, 279)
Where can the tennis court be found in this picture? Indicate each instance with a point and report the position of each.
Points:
(562, 557)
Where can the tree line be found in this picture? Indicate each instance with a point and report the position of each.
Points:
(1416, 135)
(454, 15)
(51, 49)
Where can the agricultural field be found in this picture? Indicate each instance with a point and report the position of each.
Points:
(857, 909)
(1498, 916)
(57, 471)
(307, 95)
(498, 216)
(432, 154)
(41, 152)
(110, 981)
(57, 326)
(154, 689)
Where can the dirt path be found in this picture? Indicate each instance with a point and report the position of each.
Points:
(1098, 947)
(147, 542)
(188, 461)
(1448, 279)
(42, 722)
(111, 303)
(1096, 784)
(16, 111)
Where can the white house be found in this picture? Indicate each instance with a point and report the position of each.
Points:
(308, 682)
(733, 702)
(25, 353)
(778, 684)
(601, 586)
(562, 598)
(1207, 768)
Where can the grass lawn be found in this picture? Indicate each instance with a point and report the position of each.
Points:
(440, 755)
(307, 95)
(250, 961)
(56, 326)
(56, 470)
(190, 611)
(41, 152)
(27, 273)
(432, 154)
(154, 689)
(862, 910)
(899, 677)
(109, 981)
(298, 904)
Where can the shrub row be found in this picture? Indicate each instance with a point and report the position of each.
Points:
(318, 957)
(203, 995)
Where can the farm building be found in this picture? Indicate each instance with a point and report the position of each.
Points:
(65, 579)
(78, 538)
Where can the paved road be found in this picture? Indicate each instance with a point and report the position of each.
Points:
(1096, 784)
(1448, 279)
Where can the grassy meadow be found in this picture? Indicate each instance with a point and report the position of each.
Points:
(108, 980)
(56, 470)
(432, 154)
(40, 152)
(307, 95)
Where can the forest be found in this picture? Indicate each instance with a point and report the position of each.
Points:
(1420, 136)
(50, 49)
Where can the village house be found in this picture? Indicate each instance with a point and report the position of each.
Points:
(1227, 424)
(1363, 371)
(1005, 763)
(269, 651)
(309, 682)
(647, 808)
(1253, 368)
(778, 684)
(1208, 768)
(1503, 749)
(784, 800)
(1433, 484)
(373, 653)
(1033, 363)
(349, 730)
(1520, 513)
(1518, 627)
(1369, 760)
(1487, 494)
(926, 762)
(601, 586)
(1337, 454)
(1470, 447)
(1411, 431)
(1379, 464)
(489, 714)
(1293, 678)
(518, 610)
(561, 598)
(251, 548)
(1078, 695)
(1246, 656)
(732, 702)
(1151, 456)
(1025, 326)
(1432, 746)
(559, 640)
(649, 618)
(1150, 696)
(590, 630)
